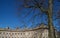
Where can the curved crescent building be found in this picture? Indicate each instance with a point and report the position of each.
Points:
(39, 32)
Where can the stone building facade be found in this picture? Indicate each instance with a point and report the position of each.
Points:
(38, 32)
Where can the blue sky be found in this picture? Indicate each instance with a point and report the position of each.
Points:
(8, 11)
(8, 15)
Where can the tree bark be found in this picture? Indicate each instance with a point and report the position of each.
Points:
(50, 25)
(50, 21)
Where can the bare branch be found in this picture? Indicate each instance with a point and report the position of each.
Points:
(58, 0)
(28, 6)
(36, 5)
(29, 12)
(33, 17)
(40, 6)
(57, 16)
(42, 9)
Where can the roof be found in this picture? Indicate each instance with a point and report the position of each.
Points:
(41, 26)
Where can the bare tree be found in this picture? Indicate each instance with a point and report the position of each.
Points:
(47, 10)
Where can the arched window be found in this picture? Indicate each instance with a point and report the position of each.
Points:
(34, 37)
(0, 32)
(2, 37)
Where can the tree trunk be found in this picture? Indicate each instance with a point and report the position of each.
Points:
(50, 25)
(50, 21)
